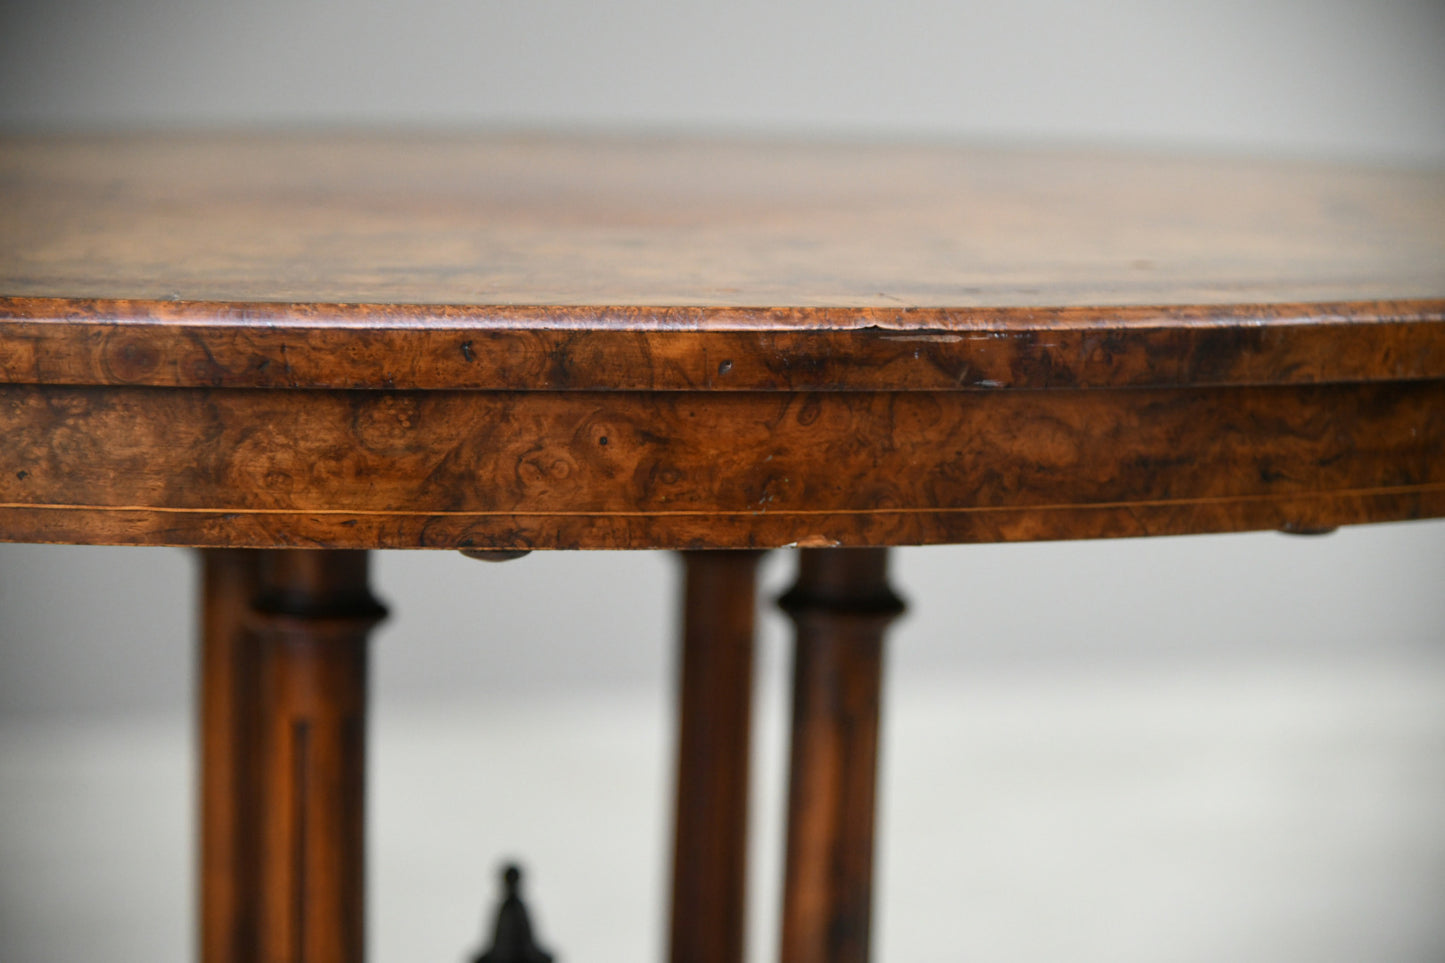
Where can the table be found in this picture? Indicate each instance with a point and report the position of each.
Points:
(285, 349)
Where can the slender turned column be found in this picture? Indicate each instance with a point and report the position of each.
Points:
(710, 843)
(841, 605)
(311, 617)
(230, 889)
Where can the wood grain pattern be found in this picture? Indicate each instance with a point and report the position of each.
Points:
(508, 470)
(422, 218)
(1094, 344)
(258, 345)
(536, 263)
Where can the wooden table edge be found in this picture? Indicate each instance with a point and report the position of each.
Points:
(700, 348)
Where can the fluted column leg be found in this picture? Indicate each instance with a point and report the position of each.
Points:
(311, 618)
(715, 705)
(841, 605)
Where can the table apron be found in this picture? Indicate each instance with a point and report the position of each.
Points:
(516, 470)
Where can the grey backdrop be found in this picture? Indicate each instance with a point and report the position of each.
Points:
(106, 630)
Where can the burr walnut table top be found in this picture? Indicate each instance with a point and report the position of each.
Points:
(526, 341)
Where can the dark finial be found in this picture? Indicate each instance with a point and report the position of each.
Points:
(512, 940)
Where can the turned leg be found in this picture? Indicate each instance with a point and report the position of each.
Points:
(230, 889)
(841, 605)
(310, 620)
(710, 845)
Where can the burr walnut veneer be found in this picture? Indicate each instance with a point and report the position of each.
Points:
(289, 349)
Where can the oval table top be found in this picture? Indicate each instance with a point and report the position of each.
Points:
(521, 341)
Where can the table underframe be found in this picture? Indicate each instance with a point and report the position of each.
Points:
(283, 715)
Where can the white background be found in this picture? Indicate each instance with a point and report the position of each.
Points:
(1205, 748)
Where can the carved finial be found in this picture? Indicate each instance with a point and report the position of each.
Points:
(512, 940)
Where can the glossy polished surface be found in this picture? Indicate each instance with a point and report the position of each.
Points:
(508, 343)
(436, 219)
